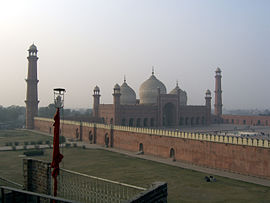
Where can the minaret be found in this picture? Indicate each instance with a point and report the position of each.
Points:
(208, 105)
(218, 92)
(116, 104)
(96, 96)
(32, 91)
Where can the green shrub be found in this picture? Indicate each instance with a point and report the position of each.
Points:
(48, 142)
(34, 153)
(68, 144)
(7, 144)
(74, 144)
(32, 142)
(14, 148)
(16, 143)
(83, 147)
(26, 143)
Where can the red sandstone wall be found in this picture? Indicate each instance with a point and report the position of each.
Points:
(246, 120)
(44, 126)
(248, 160)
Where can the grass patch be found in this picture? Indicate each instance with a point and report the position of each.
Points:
(20, 137)
(183, 185)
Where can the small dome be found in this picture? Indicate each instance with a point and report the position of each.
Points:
(116, 86)
(128, 95)
(183, 95)
(149, 90)
(208, 92)
(218, 70)
(96, 88)
(32, 48)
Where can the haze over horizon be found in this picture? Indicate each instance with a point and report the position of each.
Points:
(86, 43)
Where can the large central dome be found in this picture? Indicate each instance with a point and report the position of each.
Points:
(149, 90)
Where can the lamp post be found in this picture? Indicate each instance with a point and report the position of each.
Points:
(59, 96)
(57, 156)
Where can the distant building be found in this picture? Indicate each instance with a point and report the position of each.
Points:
(252, 120)
(155, 108)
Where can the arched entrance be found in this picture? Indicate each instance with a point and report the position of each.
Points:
(141, 147)
(169, 115)
(145, 121)
(138, 123)
(130, 123)
(172, 154)
(90, 137)
(123, 122)
(106, 140)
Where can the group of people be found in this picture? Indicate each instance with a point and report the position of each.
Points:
(210, 179)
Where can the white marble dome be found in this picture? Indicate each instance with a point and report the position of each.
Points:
(128, 95)
(183, 95)
(149, 90)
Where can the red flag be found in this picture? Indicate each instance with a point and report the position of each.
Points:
(57, 157)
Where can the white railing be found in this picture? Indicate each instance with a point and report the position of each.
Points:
(85, 188)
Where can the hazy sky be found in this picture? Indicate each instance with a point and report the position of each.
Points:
(86, 43)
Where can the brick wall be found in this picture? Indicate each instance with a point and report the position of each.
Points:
(248, 160)
(157, 193)
(37, 176)
(246, 120)
(244, 156)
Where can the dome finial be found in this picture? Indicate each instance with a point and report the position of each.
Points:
(125, 78)
(176, 83)
(153, 72)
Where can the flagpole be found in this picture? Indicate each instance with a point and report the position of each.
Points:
(57, 156)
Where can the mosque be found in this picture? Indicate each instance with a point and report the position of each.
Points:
(155, 107)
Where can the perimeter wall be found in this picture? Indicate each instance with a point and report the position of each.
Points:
(235, 154)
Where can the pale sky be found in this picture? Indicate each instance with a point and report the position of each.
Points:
(84, 43)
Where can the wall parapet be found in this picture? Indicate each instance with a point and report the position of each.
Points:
(173, 133)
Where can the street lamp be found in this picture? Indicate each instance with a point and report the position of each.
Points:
(57, 156)
(59, 94)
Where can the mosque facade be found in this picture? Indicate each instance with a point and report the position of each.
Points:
(154, 108)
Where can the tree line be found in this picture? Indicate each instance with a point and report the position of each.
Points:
(14, 116)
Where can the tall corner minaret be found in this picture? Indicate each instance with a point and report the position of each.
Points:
(96, 103)
(116, 104)
(218, 92)
(32, 91)
(208, 99)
